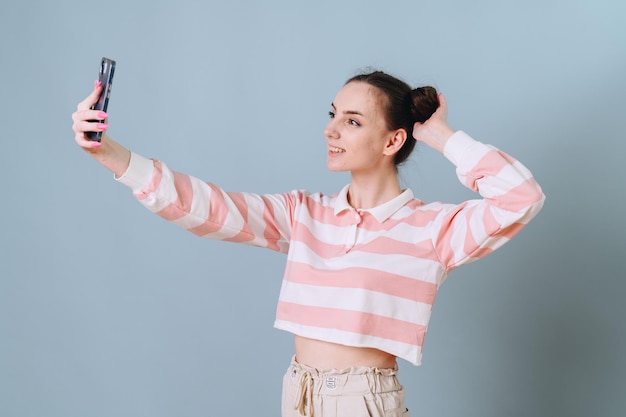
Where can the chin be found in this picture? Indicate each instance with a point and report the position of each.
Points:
(332, 168)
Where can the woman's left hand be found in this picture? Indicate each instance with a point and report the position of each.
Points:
(435, 131)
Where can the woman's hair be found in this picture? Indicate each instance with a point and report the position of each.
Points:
(402, 105)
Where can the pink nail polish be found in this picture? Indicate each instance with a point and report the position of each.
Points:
(97, 84)
(102, 126)
(96, 145)
(102, 115)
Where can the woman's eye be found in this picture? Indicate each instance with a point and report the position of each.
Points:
(331, 114)
(354, 122)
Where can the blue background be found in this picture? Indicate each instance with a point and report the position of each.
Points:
(106, 310)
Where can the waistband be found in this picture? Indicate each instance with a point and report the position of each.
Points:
(356, 370)
(361, 380)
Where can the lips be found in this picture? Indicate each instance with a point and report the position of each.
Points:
(334, 149)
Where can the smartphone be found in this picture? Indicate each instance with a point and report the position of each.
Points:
(105, 75)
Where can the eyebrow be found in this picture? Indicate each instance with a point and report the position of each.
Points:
(348, 111)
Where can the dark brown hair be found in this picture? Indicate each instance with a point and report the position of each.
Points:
(402, 105)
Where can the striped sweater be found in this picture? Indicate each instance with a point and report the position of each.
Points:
(365, 278)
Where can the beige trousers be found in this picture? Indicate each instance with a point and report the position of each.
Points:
(353, 392)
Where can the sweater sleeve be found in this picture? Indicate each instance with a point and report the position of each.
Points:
(510, 199)
(206, 210)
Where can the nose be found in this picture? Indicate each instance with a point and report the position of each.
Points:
(330, 131)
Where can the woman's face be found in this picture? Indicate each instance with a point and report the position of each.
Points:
(357, 133)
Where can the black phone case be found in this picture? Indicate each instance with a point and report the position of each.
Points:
(105, 75)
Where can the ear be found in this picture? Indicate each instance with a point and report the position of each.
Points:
(395, 142)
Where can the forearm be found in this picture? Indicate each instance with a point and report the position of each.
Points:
(206, 210)
(507, 186)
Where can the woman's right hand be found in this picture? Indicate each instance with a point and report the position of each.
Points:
(88, 120)
(110, 154)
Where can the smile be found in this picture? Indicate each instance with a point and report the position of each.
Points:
(333, 149)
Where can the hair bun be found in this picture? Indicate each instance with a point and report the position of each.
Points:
(424, 102)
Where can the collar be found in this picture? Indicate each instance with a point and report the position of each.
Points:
(382, 212)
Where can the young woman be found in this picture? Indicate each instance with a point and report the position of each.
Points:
(363, 265)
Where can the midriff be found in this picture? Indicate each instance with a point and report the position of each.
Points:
(327, 355)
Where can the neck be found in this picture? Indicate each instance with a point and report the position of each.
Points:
(370, 191)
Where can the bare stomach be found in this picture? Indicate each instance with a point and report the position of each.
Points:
(326, 355)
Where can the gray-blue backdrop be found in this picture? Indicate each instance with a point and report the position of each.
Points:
(106, 310)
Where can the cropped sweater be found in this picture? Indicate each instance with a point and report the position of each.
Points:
(358, 277)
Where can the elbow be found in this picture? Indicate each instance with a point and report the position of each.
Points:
(536, 201)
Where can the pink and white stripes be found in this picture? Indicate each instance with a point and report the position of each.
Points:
(356, 277)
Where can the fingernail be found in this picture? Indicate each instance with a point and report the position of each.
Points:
(102, 115)
(102, 126)
(96, 144)
(97, 83)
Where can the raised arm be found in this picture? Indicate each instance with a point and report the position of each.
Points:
(197, 206)
(510, 195)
